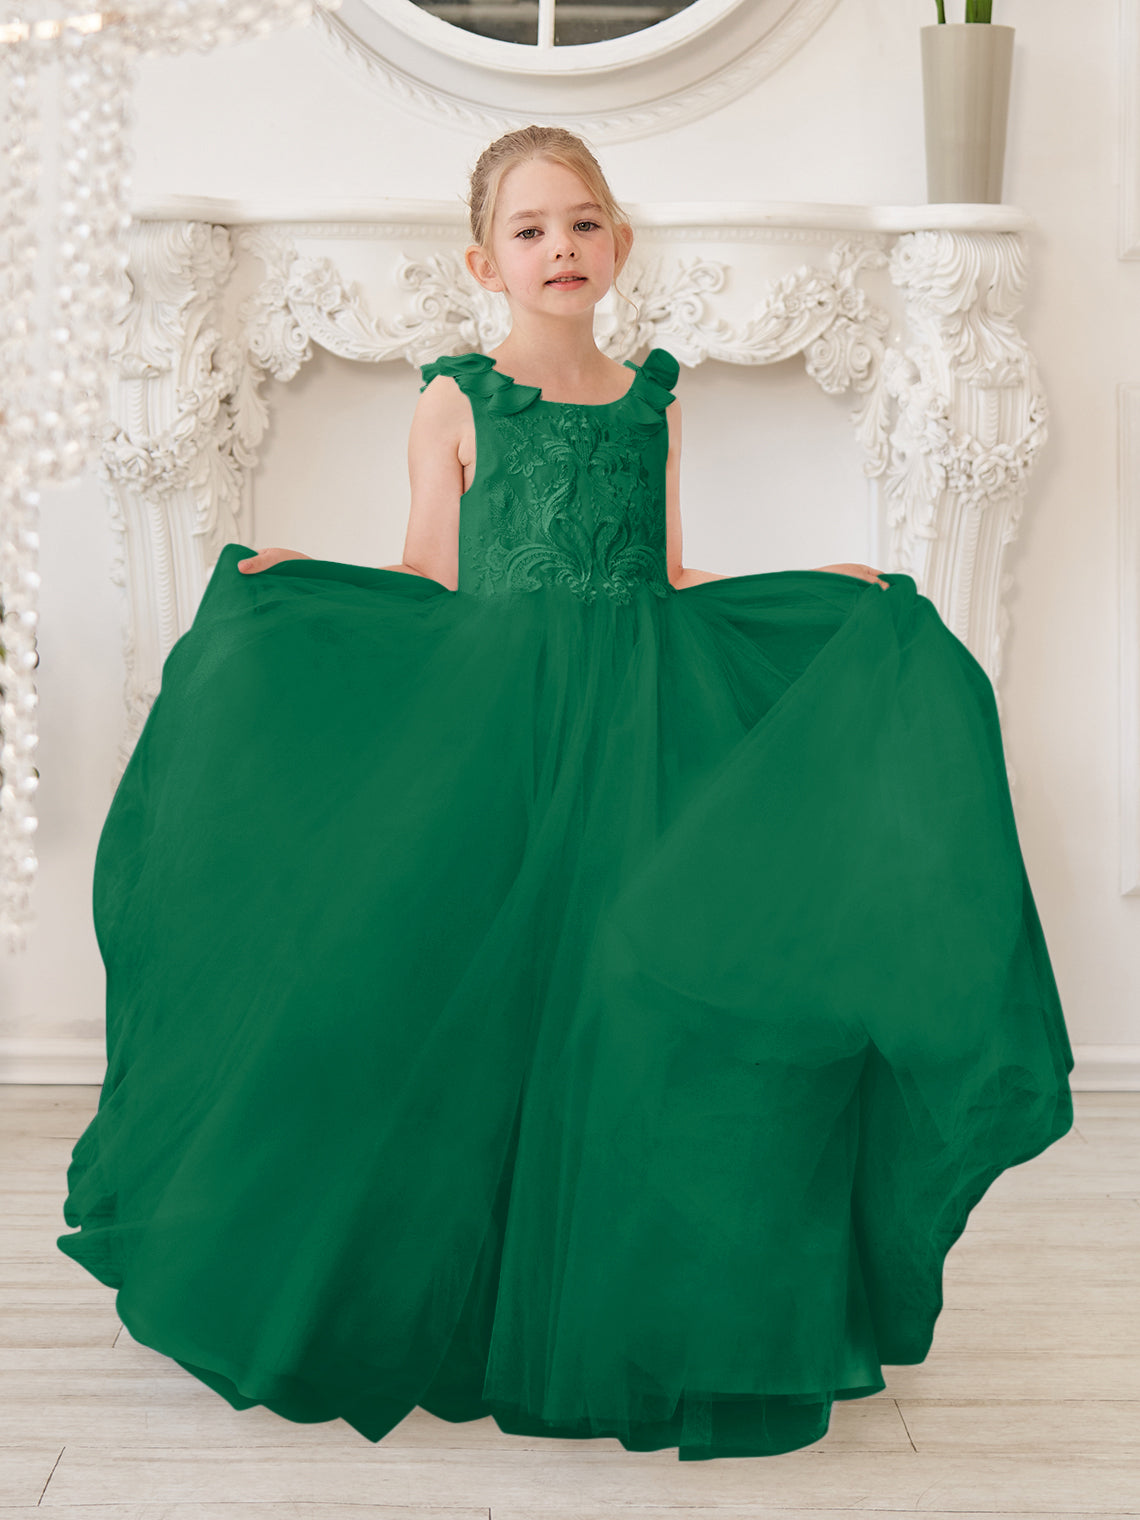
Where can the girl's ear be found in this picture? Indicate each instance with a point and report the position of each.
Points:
(623, 242)
(481, 268)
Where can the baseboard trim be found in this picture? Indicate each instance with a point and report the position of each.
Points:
(63, 1063)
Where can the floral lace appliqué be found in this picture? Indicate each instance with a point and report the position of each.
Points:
(586, 519)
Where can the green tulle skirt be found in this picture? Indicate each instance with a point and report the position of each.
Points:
(600, 1016)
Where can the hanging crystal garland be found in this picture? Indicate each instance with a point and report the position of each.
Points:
(56, 324)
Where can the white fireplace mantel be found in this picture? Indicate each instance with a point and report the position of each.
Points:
(948, 413)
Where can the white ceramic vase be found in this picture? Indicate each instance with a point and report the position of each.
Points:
(966, 70)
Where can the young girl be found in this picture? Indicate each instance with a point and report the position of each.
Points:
(545, 981)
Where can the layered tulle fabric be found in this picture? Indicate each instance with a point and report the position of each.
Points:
(599, 1015)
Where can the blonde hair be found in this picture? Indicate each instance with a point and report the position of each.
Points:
(557, 146)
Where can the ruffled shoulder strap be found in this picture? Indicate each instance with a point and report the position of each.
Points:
(662, 367)
(477, 377)
(652, 391)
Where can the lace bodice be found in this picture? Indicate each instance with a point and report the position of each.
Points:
(564, 494)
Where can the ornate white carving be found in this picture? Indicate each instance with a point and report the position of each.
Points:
(971, 420)
(646, 96)
(303, 300)
(173, 458)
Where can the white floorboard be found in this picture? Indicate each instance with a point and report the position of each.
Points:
(1027, 1406)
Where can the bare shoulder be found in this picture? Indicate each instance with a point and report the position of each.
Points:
(440, 395)
(442, 411)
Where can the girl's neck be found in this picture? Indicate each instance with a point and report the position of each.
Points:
(585, 373)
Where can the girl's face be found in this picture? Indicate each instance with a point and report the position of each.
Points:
(545, 228)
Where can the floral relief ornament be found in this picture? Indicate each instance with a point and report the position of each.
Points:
(930, 455)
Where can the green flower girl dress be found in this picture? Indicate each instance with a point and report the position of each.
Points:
(567, 999)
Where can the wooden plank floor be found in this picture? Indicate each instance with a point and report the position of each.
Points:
(1028, 1404)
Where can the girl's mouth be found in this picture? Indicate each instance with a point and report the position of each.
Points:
(577, 279)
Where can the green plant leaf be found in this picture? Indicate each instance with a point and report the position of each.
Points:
(941, 12)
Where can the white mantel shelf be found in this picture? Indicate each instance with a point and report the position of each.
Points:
(811, 216)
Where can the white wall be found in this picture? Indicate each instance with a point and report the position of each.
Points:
(842, 121)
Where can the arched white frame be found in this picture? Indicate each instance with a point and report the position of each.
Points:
(650, 81)
(587, 57)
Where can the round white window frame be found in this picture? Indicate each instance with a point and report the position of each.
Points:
(621, 88)
(642, 46)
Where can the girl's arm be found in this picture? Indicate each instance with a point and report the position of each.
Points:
(431, 546)
(678, 576)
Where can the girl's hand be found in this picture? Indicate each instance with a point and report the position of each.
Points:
(863, 571)
(268, 557)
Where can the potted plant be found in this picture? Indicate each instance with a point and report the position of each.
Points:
(966, 71)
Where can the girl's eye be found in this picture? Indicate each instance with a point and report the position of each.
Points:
(535, 229)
